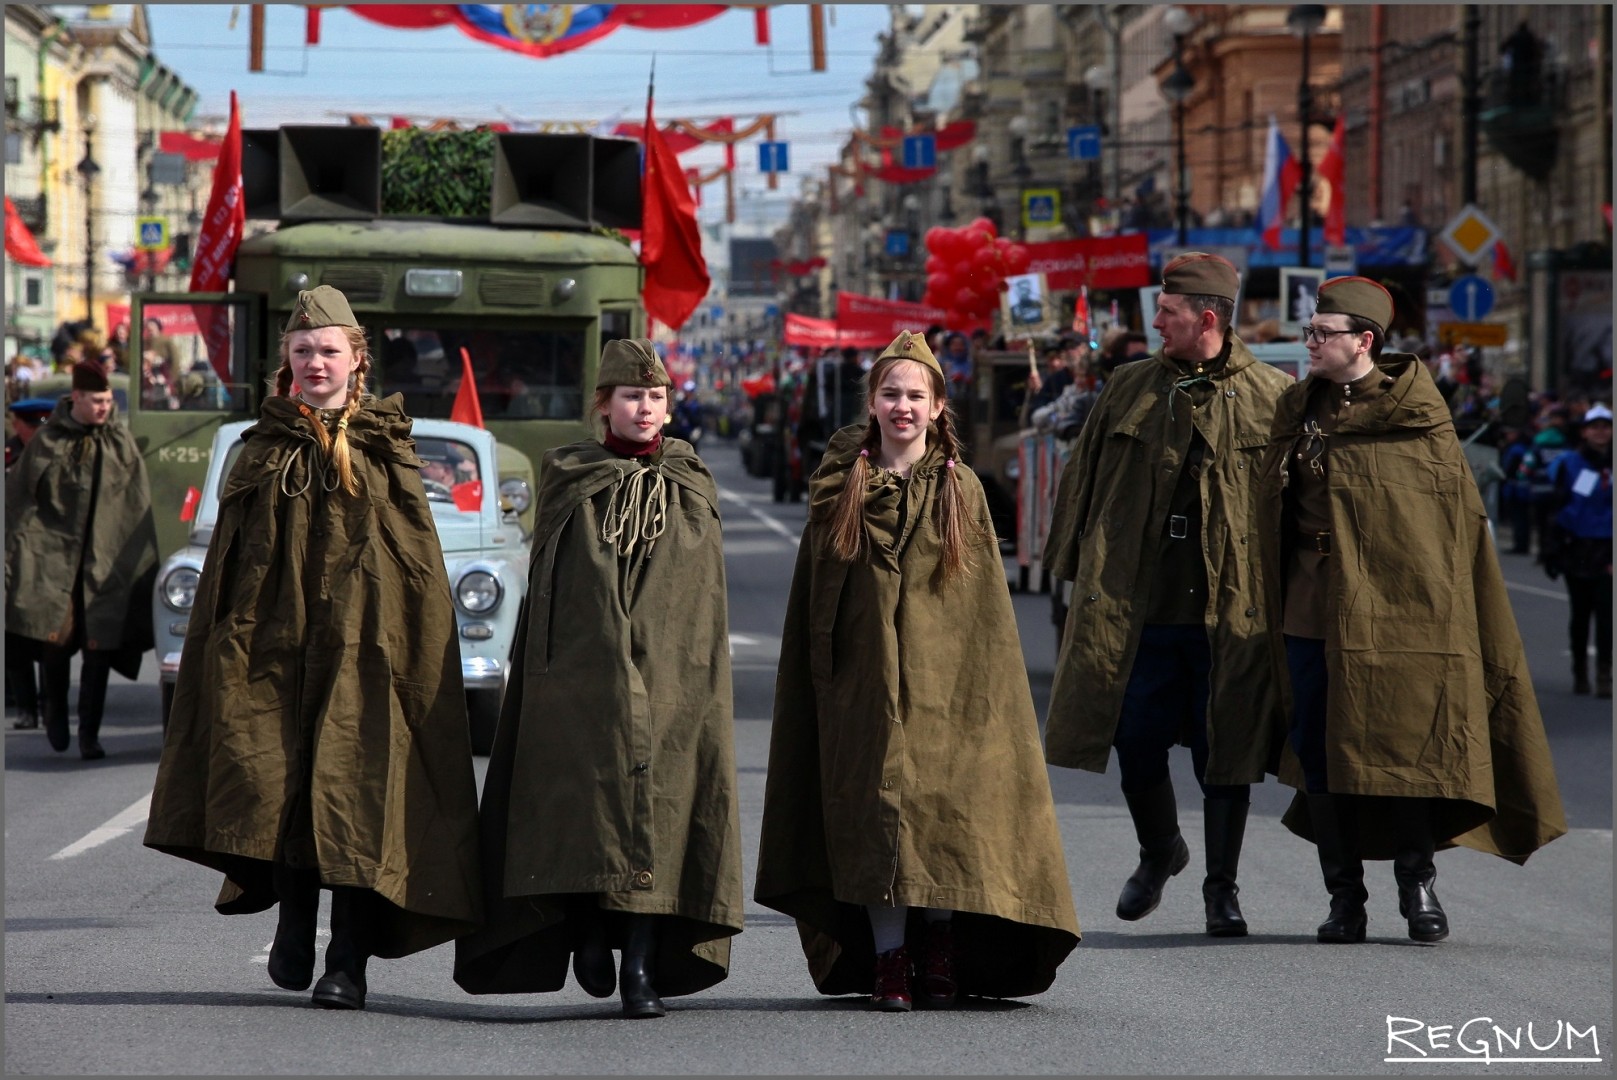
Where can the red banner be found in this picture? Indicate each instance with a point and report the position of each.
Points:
(810, 332)
(865, 322)
(1101, 262)
(220, 236)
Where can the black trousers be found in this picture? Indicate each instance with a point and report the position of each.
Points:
(1591, 598)
(22, 662)
(1305, 658)
(1167, 695)
(57, 672)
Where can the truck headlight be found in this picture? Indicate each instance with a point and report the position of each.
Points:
(478, 592)
(180, 588)
(516, 489)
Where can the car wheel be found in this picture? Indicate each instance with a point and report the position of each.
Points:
(167, 690)
(483, 708)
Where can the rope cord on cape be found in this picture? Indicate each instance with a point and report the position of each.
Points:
(635, 512)
(286, 471)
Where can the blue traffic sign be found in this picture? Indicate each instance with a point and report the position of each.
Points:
(1083, 142)
(1471, 298)
(772, 157)
(920, 152)
(898, 243)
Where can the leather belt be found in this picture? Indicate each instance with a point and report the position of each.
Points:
(1320, 542)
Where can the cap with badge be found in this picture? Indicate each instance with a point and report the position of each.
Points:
(911, 346)
(1198, 273)
(1356, 296)
(631, 362)
(320, 306)
(34, 410)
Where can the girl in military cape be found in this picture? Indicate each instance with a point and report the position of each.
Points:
(318, 735)
(907, 812)
(609, 815)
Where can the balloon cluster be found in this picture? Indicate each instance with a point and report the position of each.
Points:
(966, 270)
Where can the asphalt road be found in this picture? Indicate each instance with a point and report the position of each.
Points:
(116, 962)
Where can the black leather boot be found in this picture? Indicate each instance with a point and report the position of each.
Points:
(1412, 868)
(1336, 837)
(592, 959)
(1225, 828)
(93, 672)
(343, 984)
(291, 959)
(1163, 852)
(635, 980)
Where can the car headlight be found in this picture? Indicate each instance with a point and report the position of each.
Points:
(516, 489)
(180, 588)
(478, 592)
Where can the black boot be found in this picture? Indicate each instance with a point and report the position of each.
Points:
(1225, 828)
(291, 960)
(343, 984)
(1163, 852)
(640, 999)
(1413, 870)
(1336, 837)
(1603, 680)
(592, 959)
(93, 672)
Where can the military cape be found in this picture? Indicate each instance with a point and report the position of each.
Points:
(612, 780)
(49, 537)
(319, 696)
(904, 760)
(1429, 690)
(1104, 532)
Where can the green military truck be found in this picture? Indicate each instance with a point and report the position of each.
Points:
(525, 277)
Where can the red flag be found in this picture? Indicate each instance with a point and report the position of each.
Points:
(1080, 313)
(20, 244)
(311, 25)
(670, 241)
(1503, 265)
(217, 241)
(760, 25)
(467, 410)
(1333, 169)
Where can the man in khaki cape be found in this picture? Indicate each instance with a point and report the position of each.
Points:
(1166, 639)
(1413, 718)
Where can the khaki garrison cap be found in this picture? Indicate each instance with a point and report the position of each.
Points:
(1356, 296)
(320, 306)
(631, 362)
(1196, 273)
(911, 346)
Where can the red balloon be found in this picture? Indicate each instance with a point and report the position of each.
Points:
(984, 225)
(940, 284)
(1018, 259)
(965, 298)
(947, 246)
(985, 258)
(976, 238)
(936, 264)
(957, 320)
(932, 235)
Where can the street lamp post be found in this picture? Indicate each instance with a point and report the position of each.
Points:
(87, 168)
(149, 198)
(1098, 78)
(1304, 19)
(1176, 88)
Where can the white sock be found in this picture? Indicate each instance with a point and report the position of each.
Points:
(887, 926)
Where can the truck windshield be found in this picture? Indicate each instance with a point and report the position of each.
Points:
(521, 374)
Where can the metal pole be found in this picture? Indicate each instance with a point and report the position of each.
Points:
(1470, 106)
(1305, 108)
(89, 248)
(1182, 196)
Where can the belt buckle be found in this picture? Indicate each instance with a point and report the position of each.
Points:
(1322, 542)
(1178, 526)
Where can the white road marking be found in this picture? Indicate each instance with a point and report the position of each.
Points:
(1534, 590)
(122, 823)
(263, 957)
(769, 520)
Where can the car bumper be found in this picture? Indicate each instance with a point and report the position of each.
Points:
(478, 673)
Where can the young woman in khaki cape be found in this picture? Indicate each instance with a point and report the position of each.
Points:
(318, 736)
(908, 824)
(609, 816)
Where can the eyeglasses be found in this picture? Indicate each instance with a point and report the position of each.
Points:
(1315, 335)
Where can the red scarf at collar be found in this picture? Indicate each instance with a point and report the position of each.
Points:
(625, 448)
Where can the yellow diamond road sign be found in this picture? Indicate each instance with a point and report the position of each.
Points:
(1470, 235)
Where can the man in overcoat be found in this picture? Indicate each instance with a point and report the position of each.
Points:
(1166, 640)
(81, 554)
(1413, 721)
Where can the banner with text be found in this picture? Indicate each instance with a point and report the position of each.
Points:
(864, 322)
(809, 332)
(1101, 262)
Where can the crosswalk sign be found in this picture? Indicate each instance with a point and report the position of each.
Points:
(151, 233)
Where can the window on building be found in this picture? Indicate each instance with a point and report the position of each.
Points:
(33, 291)
(13, 148)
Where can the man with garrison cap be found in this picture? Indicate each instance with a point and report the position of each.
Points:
(81, 554)
(1166, 638)
(1413, 722)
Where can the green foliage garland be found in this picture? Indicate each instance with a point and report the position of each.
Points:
(437, 173)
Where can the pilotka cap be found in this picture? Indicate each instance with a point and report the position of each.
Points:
(321, 306)
(1358, 296)
(911, 346)
(631, 362)
(1197, 273)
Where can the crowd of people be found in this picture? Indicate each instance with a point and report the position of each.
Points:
(1232, 592)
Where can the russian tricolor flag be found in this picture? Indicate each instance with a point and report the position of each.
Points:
(1281, 175)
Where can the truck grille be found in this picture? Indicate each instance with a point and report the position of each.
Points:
(511, 288)
(365, 284)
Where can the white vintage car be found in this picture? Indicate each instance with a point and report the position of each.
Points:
(485, 552)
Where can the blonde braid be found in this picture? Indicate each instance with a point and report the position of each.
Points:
(958, 535)
(849, 541)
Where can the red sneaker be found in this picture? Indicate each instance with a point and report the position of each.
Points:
(934, 968)
(892, 993)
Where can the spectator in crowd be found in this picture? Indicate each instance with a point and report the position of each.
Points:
(1577, 544)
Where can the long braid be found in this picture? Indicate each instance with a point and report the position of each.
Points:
(848, 538)
(957, 534)
(336, 449)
